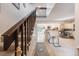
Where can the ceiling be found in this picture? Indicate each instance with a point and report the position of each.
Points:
(59, 12)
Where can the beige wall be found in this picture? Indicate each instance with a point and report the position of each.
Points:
(77, 25)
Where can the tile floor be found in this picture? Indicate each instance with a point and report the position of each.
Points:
(67, 48)
(41, 50)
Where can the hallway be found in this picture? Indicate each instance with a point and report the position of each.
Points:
(31, 25)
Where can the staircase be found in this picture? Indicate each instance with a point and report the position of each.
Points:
(16, 40)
